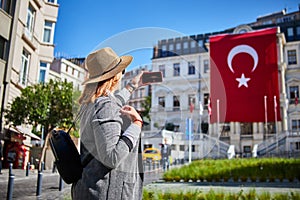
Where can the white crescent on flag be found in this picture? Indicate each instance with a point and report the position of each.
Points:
(242, 49)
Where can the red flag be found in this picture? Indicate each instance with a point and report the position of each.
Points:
(296, 98)
(191, 107)
(244, 70)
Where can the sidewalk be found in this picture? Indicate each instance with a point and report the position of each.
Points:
(20, 174)
(25, 186)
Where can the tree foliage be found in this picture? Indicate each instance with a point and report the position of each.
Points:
(46, 105)
(146, 107)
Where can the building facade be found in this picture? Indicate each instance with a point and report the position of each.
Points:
(26, 51)
(184, 93)
(69, 70)
(27, 47)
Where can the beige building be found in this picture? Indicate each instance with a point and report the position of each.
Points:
(27, 35)
(26, 51)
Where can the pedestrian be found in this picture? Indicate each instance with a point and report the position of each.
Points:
(165, 152)
(109, 131)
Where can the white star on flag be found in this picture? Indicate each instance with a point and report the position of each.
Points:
(243, 81)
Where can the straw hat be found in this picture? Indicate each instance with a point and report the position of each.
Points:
(104, 64)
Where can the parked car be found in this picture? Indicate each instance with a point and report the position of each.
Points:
(151, 155)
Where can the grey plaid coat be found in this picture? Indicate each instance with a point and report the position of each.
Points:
(116, 171)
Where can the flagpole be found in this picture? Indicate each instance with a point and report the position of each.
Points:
(190, 140)
(190, 131)
(275, 112)
(266, 121)
(218, 124)
(296, 103)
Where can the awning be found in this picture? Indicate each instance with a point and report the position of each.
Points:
(24, 131)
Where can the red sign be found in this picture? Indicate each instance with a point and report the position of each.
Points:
(244, 77)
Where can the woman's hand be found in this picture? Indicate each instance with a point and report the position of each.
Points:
(136, 81)
(133, 115)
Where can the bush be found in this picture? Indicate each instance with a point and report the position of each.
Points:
(212, 195)
(255, 169)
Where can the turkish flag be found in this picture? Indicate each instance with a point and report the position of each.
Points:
(243, 71)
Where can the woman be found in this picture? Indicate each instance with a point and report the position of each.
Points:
(110, 132)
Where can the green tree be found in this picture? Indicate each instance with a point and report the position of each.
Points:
(46, 105)
(146, 107)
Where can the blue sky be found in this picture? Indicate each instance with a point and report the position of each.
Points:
(134, 26)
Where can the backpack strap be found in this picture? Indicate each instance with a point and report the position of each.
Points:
(88, 158)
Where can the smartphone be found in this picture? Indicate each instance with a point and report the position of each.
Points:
(151, 77)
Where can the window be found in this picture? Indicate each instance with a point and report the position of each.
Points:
(43, 70)
(294, 92)
(193, 148)
(193, 44)
(192, 99)
(171, 47)
(181, 147)
(191, 102)
(162, 69)
(48, 32)
(200, 43)
(185, 45)
(246, 128)
(292, 57)
(297, 144)
(24, 67)
(298, 30)
(290, 32)
(176, 69)
(52, 1)
(247, 149)
(135, 94)
(2, 47)
(164, 50)
(7, 6)
(142, 92)
(178, 46)
(206, 66)
(191, 67)
(30, 21)
(205, 98)
(295, 124)
(176, 103)
(161, 101)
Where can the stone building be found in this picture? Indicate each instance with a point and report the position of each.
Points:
(26, 50)
(185, 92)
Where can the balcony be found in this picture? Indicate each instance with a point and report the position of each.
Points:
(27, 36)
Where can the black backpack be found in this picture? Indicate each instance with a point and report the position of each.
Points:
(67, 157)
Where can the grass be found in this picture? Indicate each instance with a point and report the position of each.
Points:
(212, 195)
(264, 169)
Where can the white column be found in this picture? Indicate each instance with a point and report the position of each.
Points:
(282, 68)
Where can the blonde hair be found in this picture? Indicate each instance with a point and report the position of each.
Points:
(92, 91)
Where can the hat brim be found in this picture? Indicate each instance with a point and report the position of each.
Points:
(126, 60)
